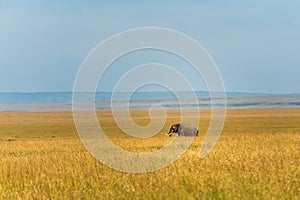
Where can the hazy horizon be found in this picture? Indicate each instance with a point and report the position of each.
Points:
(205, 91)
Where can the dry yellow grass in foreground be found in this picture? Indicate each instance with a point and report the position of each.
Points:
(256, 157)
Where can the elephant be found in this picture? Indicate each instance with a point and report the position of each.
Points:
(183, 130)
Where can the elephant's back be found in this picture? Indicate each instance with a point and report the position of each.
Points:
(187, 129)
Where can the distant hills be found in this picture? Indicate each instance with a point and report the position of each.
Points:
(66, 97)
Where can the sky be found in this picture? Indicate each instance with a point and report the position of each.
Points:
(255, 44)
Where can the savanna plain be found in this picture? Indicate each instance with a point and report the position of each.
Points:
(256, 157)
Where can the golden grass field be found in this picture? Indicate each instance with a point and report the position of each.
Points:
(256, 157)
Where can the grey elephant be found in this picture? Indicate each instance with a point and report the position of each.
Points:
(183, 130)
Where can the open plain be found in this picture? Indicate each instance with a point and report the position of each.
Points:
(257, 157)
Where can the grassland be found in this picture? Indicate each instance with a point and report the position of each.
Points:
(256, 157)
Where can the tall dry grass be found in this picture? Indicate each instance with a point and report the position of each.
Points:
(256, 157)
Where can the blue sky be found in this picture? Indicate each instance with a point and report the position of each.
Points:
(255, 44)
